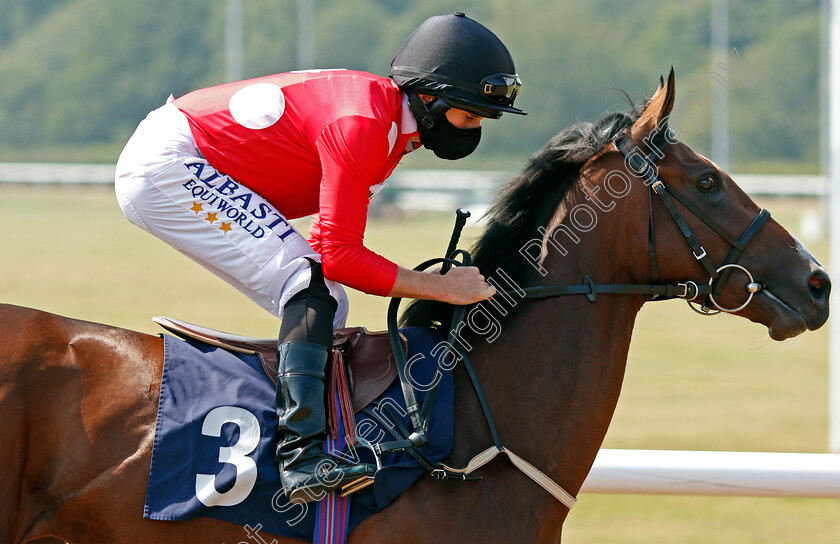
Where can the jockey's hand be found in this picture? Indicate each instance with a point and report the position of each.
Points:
(465, 285)
(461, 285)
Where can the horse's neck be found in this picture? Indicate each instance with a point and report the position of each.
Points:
(554, 373)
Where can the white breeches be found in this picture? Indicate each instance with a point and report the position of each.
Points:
(166, 187)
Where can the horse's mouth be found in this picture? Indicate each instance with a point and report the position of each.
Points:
(785, 321)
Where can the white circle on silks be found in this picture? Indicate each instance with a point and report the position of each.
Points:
(257, 106)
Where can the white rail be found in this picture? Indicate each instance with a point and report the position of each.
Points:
(48, 172)
(480, 182)
(664, 472)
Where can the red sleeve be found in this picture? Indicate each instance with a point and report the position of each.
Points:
(353, 152)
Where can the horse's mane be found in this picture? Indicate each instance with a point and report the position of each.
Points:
(525, 203)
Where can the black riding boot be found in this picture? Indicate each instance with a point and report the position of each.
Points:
(306, 470)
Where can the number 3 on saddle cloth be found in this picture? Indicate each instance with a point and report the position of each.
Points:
(213, 453)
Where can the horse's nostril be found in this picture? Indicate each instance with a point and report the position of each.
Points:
(819, 285)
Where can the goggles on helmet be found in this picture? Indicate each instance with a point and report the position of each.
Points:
(501, 88)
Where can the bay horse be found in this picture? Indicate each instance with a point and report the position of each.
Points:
(78, 400)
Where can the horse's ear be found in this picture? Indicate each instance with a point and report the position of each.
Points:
(659, 106)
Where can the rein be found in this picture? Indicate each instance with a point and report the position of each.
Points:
(412, 441)
(645, 167)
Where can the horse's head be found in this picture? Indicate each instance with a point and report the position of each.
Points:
(704, 229)
(683, 222)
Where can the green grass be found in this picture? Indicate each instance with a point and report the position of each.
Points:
(692, 382)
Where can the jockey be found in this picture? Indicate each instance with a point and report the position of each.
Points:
(218, 172)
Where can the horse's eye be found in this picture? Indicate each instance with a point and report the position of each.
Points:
(706, 184)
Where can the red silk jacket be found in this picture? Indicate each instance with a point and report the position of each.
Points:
(311, 142)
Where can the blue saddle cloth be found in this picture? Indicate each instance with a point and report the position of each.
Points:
(213, 451)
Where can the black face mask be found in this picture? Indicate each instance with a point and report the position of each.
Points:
(449, 142)
(443, 138)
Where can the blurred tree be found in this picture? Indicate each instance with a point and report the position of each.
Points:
(16, 16)
(777, 116)
(270, 36)
(349, 35)
(86, 71)
(108, 64)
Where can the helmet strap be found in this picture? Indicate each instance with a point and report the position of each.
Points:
(427, 115)
(437, 133)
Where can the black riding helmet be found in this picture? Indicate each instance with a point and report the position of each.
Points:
(461, 61)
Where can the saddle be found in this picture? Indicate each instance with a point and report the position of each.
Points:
(369, 360)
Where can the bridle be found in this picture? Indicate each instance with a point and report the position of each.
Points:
(644, 166)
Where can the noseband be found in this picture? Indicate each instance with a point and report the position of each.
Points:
(645, 167)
